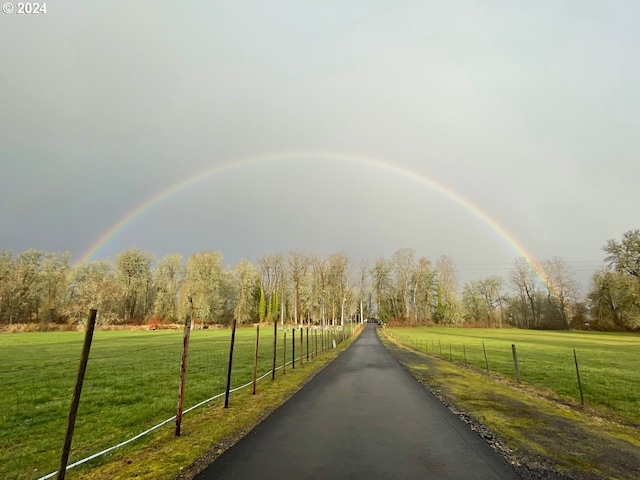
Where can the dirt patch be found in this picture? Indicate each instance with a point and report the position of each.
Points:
(541, 439)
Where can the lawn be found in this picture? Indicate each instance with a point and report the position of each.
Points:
(131, 384)
(608, 362)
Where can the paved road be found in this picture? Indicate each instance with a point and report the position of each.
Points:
(362, 417)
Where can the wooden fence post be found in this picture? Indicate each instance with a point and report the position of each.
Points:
(183, 366)
(464, 351)
(233, 340)
(515, 362)
(75, 400)
(486, 362)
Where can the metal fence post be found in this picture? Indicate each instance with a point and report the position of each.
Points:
(575, 358)
(233, 339)
(255, 359)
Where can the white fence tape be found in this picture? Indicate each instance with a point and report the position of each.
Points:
(155, 427)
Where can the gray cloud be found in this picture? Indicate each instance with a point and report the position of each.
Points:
(529, 111)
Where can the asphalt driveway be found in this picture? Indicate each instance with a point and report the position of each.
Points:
(362, 417)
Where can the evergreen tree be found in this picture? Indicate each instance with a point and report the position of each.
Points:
(262, 306)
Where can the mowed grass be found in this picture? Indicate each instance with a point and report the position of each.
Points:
(608, 362)
(131, 384)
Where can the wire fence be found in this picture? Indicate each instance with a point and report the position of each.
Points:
(602, 376)
(131, 385)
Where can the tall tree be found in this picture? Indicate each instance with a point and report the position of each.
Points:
(247, 283)
(53, 282)
(133, 269)
(383, 290)
(6, 271)
(403, 264)
(21, 287)
(624, 255)
(298, 264)
(168, 278)
(318, 286)
(272, 272)
(481, 299)
(363, 274)
(203, 282)
(449, 309)
(474, 304)
(615, 294)
(262, 306)
(562, 291)
(524, 280)
(94, 285)
(425, 286)
(491, 290)
(614, 301)
(337, 284)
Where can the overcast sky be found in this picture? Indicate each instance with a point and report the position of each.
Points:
(529, 110)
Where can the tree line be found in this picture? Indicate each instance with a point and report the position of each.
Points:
(303, 288)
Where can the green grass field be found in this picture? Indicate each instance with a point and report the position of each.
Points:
(608, 362)
(131, 384)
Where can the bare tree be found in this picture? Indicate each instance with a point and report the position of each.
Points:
(383, 290)
(363, 273)
(21, 287)
(298, 264)
(247, 284)
(403, 264)
(624, 255)
(133, 269)
(523, 278)
(481, 299)
(168, 278)
(337, 284)
(94, 285)
(562, 290)
(424, 292)
(203, 282)
(319, 284)
(272, 272)
(448, 308)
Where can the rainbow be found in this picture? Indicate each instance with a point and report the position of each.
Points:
(369, 162)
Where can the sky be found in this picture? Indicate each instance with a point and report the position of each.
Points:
(483, 130)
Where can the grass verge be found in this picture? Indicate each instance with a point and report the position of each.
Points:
(608, 362)
(535, 433)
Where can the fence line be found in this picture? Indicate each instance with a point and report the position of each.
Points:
(553, 367)
(174, 417)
